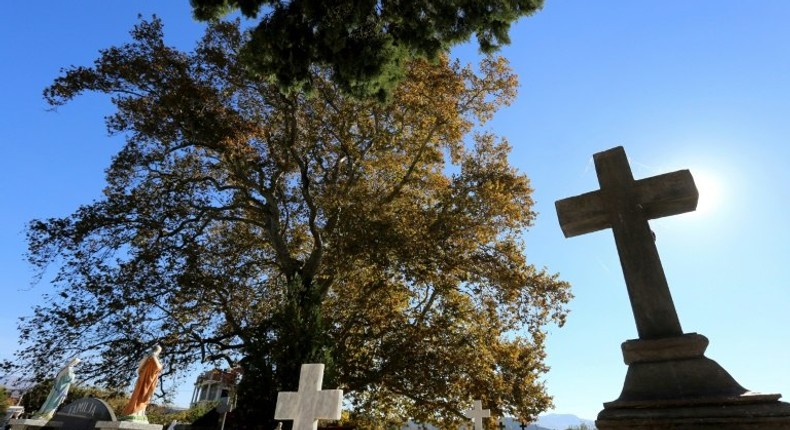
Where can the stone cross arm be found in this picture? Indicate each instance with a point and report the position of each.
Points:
(658, 196)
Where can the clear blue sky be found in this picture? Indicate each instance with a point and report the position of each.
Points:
(702, 85)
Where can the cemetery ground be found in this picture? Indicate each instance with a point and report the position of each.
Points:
(86, 406)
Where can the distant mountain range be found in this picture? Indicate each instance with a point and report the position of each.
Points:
(562, 421)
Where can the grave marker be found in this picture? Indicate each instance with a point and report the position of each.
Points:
(670, 384)
(309, 404)
(625, 206)
(83, 414)
(477, 413)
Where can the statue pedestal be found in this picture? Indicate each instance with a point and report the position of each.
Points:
(33, 424)
(126, 425)
(670, 384)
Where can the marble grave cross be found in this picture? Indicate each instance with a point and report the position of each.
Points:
(310, 403)
(625, 205)
(477, 413)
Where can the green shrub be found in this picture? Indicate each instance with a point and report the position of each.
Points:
(4, 400)
(158, 414)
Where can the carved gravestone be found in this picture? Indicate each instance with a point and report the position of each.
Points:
(83, 414)
(310, 404)
(477, 413)
(670, 384)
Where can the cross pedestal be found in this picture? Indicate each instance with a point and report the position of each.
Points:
(31, 424)
(670, 384)
(310, 404)
(126, 425)
(477, 413)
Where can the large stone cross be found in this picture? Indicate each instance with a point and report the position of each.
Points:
(309, 404)
(477, 413)
(625, 206)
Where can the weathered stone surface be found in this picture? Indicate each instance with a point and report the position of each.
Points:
(736, 415)
(690, 345)
(84, 413)
(670, 384)
(126, 425)
(477, 413)
(310, 404)
(673, 371)
(34, 424)
(625, 206)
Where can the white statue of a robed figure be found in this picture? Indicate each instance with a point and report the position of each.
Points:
(60, 389)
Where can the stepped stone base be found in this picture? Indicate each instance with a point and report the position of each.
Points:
(33, 424)
(766, 414)
(670, 384)
(126, 425)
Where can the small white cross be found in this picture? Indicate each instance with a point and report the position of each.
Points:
(477, 413)
(309, 404)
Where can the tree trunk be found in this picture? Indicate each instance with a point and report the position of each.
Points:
(274, 358)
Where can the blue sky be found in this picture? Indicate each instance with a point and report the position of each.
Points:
(702, 85)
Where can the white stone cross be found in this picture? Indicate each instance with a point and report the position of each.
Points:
(310, 403)
(477, 413)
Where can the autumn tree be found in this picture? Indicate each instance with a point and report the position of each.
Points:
(367, 45)
(244, 225)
